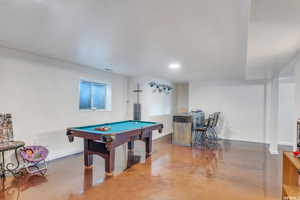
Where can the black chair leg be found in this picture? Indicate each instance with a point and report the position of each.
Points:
(215, 134)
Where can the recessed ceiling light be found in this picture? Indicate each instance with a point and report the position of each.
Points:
(108, 68)
(174, 66)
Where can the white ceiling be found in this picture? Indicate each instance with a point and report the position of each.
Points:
(138, 37)
(274, 36)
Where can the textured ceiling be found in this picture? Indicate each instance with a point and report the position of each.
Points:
(274, 36)
(207, 37)
(211, 39)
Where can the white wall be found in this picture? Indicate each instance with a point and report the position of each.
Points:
(244, 107)
(182, 97)
(157, 107)
(297, 86)
(287, 113)
(241, 104)
(42, 94)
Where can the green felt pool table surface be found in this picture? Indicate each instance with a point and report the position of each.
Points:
(116, 127)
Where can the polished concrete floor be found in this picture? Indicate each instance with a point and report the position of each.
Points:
(230, 170)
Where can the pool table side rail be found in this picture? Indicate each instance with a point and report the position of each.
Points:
(99, 136)
(112, 123)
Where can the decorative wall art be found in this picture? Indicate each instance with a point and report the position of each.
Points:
(157, 87)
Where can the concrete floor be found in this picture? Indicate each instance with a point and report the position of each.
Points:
(231, 170)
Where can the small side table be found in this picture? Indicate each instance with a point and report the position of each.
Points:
(10, 167)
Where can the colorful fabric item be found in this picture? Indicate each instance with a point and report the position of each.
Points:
(34, 154)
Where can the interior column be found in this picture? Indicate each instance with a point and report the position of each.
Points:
(274, 115)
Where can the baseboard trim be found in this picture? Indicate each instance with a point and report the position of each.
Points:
(255, 141)
(285, 144)
(161, 135)
(55, 156)
(243, 140)
(273, 151)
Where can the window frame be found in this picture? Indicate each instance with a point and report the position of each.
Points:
(108, 101)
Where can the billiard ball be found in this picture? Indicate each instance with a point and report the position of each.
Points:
(103, 128)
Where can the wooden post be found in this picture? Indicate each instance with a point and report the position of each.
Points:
(88, 158)
(148, 142)
(110, 162)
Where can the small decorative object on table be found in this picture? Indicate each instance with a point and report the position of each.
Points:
(34, 158)
(296, 153)
(10, 167)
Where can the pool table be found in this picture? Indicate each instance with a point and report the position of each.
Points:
(103, 143)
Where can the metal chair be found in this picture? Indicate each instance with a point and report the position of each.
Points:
(212, 130)
(207, 134)
(200, 134)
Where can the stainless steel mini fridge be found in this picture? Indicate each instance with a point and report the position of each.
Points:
(182, 129)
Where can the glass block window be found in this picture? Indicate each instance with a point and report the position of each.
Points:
(94, 96)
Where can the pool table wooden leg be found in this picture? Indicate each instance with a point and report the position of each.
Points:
(88, 158)
(110, 162)
(148, 142)
(130, 145)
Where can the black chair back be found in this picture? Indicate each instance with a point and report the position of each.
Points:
(216, 118)
(210, 121)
